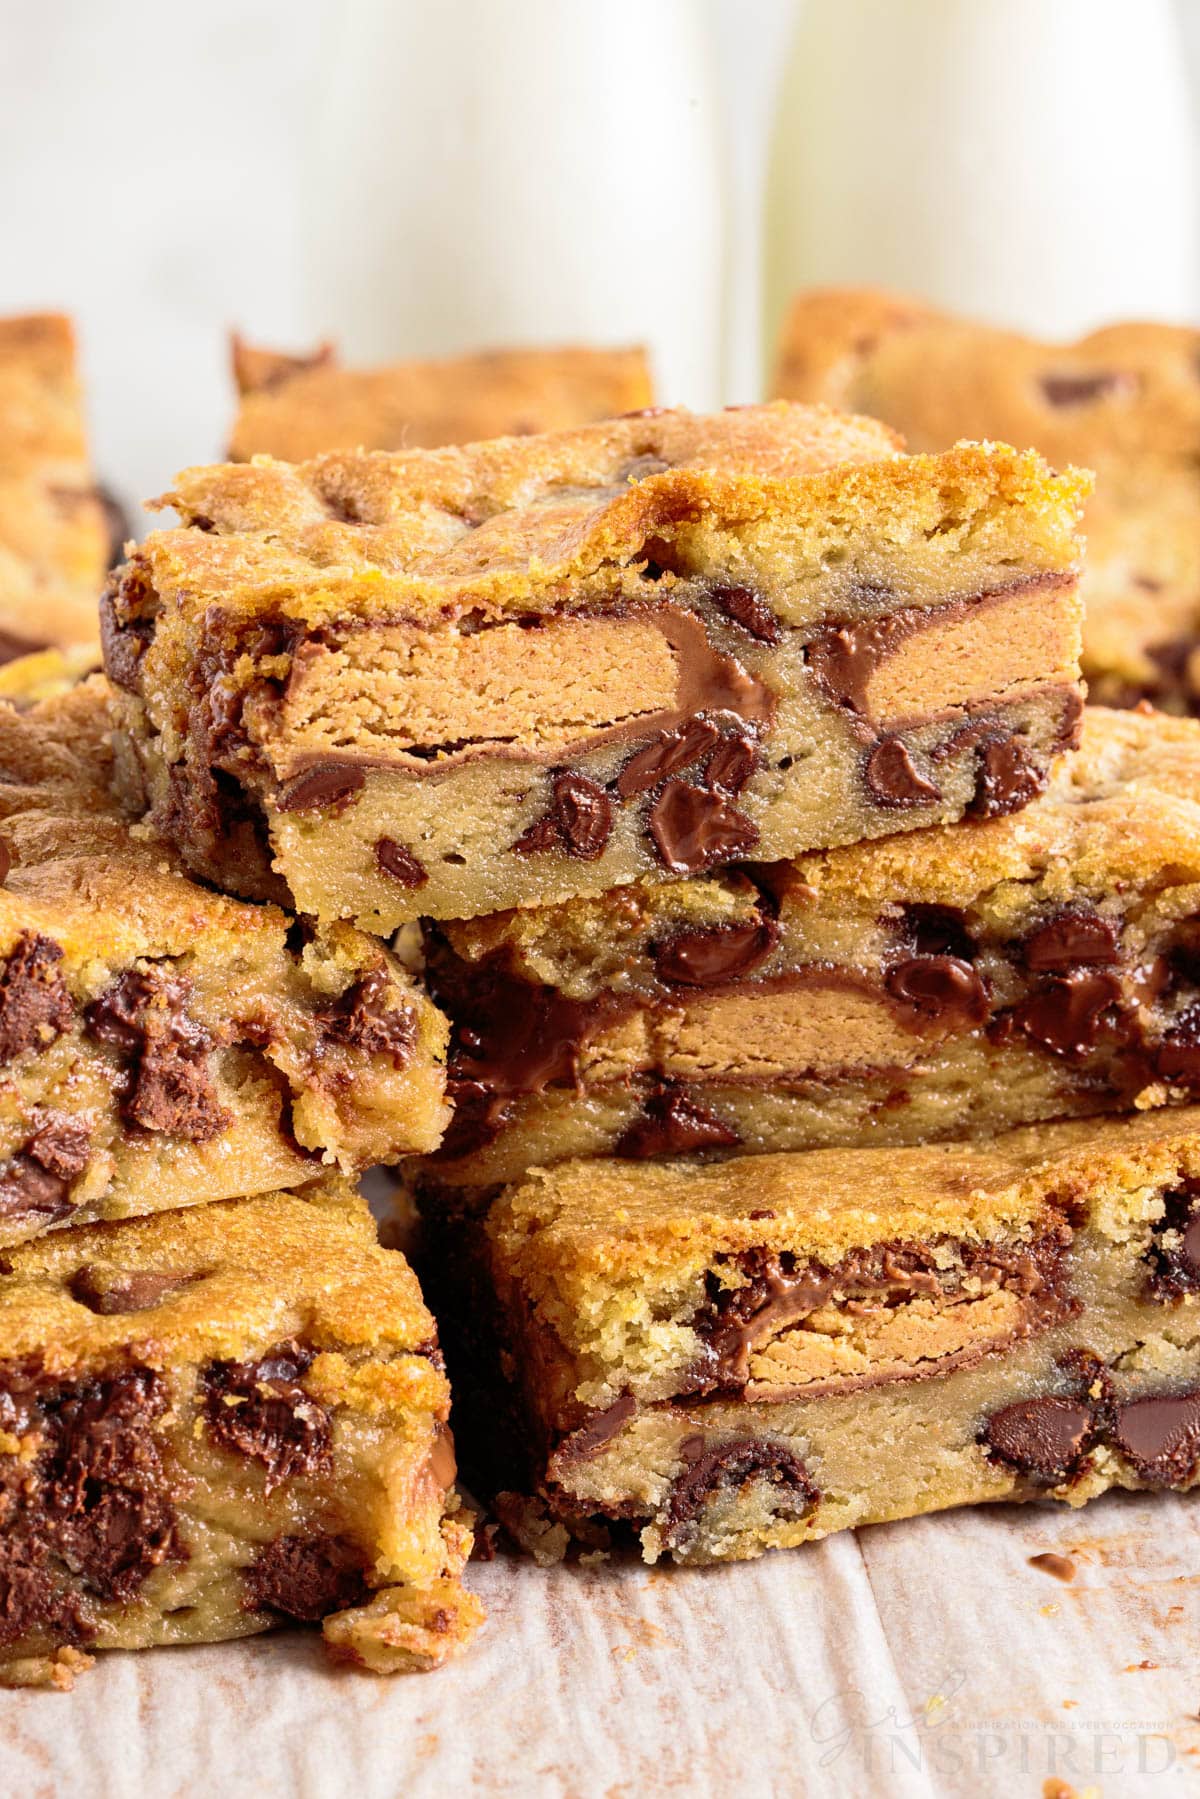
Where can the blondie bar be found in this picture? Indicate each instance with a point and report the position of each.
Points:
(160, 1044)
(1124, 401)
(216, 1421)
(965, 979)
(746, 1355)
(56, 526)
(295, 407)
(452, 681)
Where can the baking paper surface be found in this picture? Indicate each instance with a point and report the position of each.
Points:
(926, 1658)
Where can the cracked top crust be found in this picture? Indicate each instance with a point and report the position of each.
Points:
(294, 407)
(514, 524)
(567, 1228)
(230, 1280)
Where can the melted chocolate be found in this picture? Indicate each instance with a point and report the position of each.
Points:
(1045, 1438)
(260, 1410)
(1174, 1254)
(673, 1124)
(1160, 1436)
(710, 1469)
(1177, 1056)
(1008, 778)
(399, 864)
(169, 1084)
(362, 1019)
(706, 958)
(731, 765)
(1068, 1014)
(325, 787)
(306, 1577)
(748, 609)
(693, 829)
(892, 778)
(579, 821)
(942, 989)
(1076, 935)
(666, 755)
(111, 1291)
(930, 930)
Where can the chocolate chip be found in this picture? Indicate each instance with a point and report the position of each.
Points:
(362, 1019)
(1174, 1253)
(731, 765)
(891, 777)
(665, 755)
(693, 829)
(325, 787)
(1082, 387)
(1068, 1013)
(600, 1429)
(168, 1087)
(711, 1470)
(395, 860)
(1046, 1438)
(35, 1183)
(941, 988)
(6, 860)
(90, 1509)
(1161, 1437)
(672, 1124)
(478, 1118)
(843, 658)
(722, 953)
(306, 1577)
(1177, 1056)
(261, 1411)
(1007, 779)
(35, 1006)
(1075, 935)
(930, 930)
(111, 1291)
(749, 610)
(579, 821)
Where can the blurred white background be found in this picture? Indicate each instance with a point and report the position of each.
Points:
(167, 173)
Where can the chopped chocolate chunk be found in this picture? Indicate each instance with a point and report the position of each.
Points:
(1075, 935)
(362, 1019)
(1174, 1254)
(937, 931)
(61, 1143)
(35, 1006)
(35, 1183)
(169, 1087)
(588, 1439)
(749, 610)
(93, 1494)
(395, 860)
(1080, 387)
(940, 988)
(579, 821)
(731, 765)
(672, 1124)
(711, 1468)
(1008, 778)
(704, 958)
(1161, 1437)
(305, 1577)
(665, 755)
(1046, 1438)
(123, 645)
(261, 1410)
(892, 778)
(110, 1291)
(1177, 1057)
(324, 787)
(693, 829)
(1068, 1013)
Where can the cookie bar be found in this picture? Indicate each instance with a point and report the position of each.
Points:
(1124, 401)
(295, 407)
(747, 1355)
(217, 1421)
(56, 527)
(949, 982)
(451, 681)
(160, 1044)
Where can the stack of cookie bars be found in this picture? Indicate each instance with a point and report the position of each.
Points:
(680, 842)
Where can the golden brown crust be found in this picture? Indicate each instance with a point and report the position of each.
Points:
(586, 1222)
(513, 522)
(54, 532)
(296, 406)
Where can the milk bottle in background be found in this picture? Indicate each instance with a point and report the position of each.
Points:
(1028, 161)
(519, 171)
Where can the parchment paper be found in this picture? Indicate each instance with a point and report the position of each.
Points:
(922, 1658)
